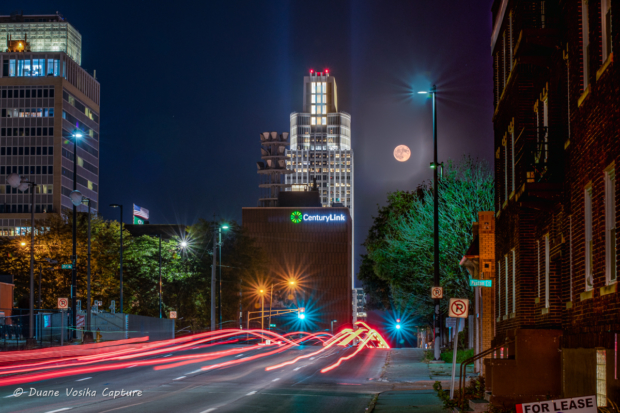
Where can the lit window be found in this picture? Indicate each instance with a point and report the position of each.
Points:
(319, 99)
(606, 28)
(610, 226)
(589, 244)
(585, 36)
(324, 109)
(313, 109)
(324, 88)
(313, 99)
(313, 121)
(601, 378)
(313, 87)
(323, 121)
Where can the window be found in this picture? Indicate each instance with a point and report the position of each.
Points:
(313, 121)
(538, 267)
(585, 27)
(546, 270)
(606, 28)
(601, 377)
(589, 244)
(514, 281)
(323, 121)
(511, 130)
(499, 288)
(506, 259)
(610, 226)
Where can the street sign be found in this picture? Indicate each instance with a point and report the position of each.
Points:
(586, 404)
(450, 322)
(66, 266)
(458, 307)
(63, 303)
(272, 325)
(79, 323)
(172, 314)
(437, 292)
(480, 283)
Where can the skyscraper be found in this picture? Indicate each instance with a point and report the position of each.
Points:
(45, 98)
(321, 144)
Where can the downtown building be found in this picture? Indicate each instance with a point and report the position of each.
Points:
(45, 97)
(557, 145)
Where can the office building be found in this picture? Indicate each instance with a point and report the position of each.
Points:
(45, 98)
(359, 305)
(320, 145)
(311, 245)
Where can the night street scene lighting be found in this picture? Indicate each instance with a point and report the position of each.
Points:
(277, 220)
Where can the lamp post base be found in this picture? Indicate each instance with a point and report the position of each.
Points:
(87, 337)
(31, 343)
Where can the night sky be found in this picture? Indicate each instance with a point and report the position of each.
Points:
(186, 87)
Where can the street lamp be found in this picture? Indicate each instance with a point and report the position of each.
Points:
(217, 242)
(76, 135)
(262, 315)
(433, 94)
(16, 181)
(78, 199)
(121, 208)
(333, 321)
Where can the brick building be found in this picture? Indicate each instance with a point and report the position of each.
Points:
(557, 127)
(480, 263)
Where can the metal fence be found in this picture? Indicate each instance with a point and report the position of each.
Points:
(52, 327)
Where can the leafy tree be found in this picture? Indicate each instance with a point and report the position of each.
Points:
(400, 244)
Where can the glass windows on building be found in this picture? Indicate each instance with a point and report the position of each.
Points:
(54, 36)
(25, 66)
(318, 100)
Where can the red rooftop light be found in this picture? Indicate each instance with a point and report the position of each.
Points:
(326, 70)
(311, 71)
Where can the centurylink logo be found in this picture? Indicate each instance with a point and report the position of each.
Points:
(297, 217)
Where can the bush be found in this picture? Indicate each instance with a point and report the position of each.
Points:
(461, 355)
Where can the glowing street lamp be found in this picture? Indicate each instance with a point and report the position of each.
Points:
(433, 93)
(77, 134)
(77, 199)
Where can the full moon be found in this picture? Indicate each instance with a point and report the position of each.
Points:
(402, 153)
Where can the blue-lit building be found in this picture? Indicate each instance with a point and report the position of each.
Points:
(45, 96)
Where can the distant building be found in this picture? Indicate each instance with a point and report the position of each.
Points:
(45, 97)
(320, 146)
(312, 246)
(557, 146)
(359, 304)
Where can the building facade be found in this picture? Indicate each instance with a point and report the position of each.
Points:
(557, 141)
(321, 143)
(359, 305)
(312, 247)
(45, 98)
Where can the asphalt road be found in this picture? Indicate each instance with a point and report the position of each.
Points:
(244, 387)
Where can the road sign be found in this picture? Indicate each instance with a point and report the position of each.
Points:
(480, 283)
(79, 321)
(450, 322)
(437, 292)
(586, 404)
(63, 303)
(172, 314)
(458, 307)
(67, 266)
(272, 325)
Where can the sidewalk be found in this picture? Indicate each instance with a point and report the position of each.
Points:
(412, 383)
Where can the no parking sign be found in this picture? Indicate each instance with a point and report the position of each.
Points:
(458, 307)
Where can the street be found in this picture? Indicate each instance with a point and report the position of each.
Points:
(245, 386)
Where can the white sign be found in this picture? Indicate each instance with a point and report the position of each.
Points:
(458, 307)
(437, 292)
(173, 314)
(63, 303)
(586, 404)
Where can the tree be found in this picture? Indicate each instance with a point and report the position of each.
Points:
(400, 244)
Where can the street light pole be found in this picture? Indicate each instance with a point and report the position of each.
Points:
(159, 275)
(77, 199)
(213, 267)
(436, 223)
(75, 135)
(219, 292)
(121, 270)
(16, 181)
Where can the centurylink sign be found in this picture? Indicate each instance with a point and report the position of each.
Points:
(297, 217)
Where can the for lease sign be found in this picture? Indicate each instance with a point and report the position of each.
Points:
(586, 404)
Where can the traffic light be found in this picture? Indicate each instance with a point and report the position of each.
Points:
(301, 313)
